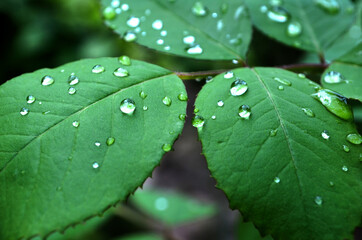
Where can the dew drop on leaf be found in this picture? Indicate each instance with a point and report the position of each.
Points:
(220, 103)
(47, 80)
(182, 117)
(273, 133)
(182, 97)
(160, 41)
(73, 80)
(128, 106)
(301, 75)
(124, 60)
(224, 8)
(283, 81)
(196, 49)
(109, 13)
(280, 88)
(198, 122)
(133, 22)
(97, 144)
(95, 165)
(325, 135)
(228, 75)
(75, 124)
(275, 2)
(166, 147)
(115, 3)
(238, 87)
(163, 33)
(30, 99)
(167, 101)
(294, 29)
(145, 108)
(157, 24)
(278, 14)
(344, 168)
(331, 184)
(24, 111)
(213, 117)
(329, 6)
(354, 138)
(161, 204)
(72, 90)
(129, 36)
(143, 95)
(125, 7)
(120, 72)
(277, 180)
(244, 112)
(98, 69)
(318, 200)
(198, 9)
(333, 77)
(196, 110)
(308, 112)
(346, 148)
(110, 141)
(189, 40)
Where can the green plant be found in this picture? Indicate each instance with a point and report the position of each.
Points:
(78, 139)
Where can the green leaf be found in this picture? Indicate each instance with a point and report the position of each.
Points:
(71, 156)
(247, 231)
(171, 208)
(302, 23)
(344, 78)
(144, 236)
(284, 168)
(354, 56)
(198, 29)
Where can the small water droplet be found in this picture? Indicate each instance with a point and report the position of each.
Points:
(214, 15)
(344, 168)
(196, 49)
(160, 41)
(30, 99)
(157, 24)
(124, 60)
(236, 41)
(273, 133)
(145, 108)
(115, 3)
(95, 165)
(167, 101)
(331, 183)
(238, 88)
(166, 147)
(308, 112)
(301, 75)
(277, 180)
(263, 9)
(228, 75)
(109, 13)
(167, 48)
(110, 141)
(333, 77)
(329, 6)
(72, 90)
(294, 29)
(98, 69)
(198, 122)
(182, 117)
(125, 7)
(325, 135)
(318, 200)
(75, 124)
(47, 80)
(283, 81)
(196, 110)
(128, 106)
(189, 40)
(24, 111)
(220, 103)
(120, 72)
(97, 144)
(129, 36)
(335, 103)
(275, 2)
(354, 138)
(280, 87)
(182, 97)
(238, 12)
(143, 95)
(199, 9)
(235, 61)
(161, 204)
(244, 112)
(213, 117)
(133, 22)
(46, 112)
(278, 14)
(73, 80)
(346, 148)
(163, 33)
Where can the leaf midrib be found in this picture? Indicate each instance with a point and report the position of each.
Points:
(76, 112)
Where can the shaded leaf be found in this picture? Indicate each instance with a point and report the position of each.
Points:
(284, 168)
(197, 29)
(144, 236)
(354, 56)
(70, 153)
(247, 231)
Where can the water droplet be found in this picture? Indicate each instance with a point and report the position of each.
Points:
(344, 168)
(157, 24)
(354, 138)
(228, 75)
(283, 81)
(273, 133)
(98, 69)
(182, 117)
(308, 112)
(24, 111)
(72, 90)
(120, 72)
(46, 112)
(95, 165)
(278, 14)
(167, 48)
(331, 183)
(275, 2)
(318, 200)
(238, 87)
(301, 75)
(115, 3)
(263, 9)
(109, 13)
(220, 103)
(30, 99)
(47, 80)
(196, 49)
(143, 95)
(161, 204)
(196, 110)
(235, 61)
(97, 144)
(73, 80)
(214, 15)
(129, 36)
(160, 41)
(245, 112)
(335, 103)
(189, 40)
(145, 108)
(236, 41)
(238, 12)
(329, 6)
(345, 148)
(182, 97)
(294, 29)
(213, 117)
(110, 141)
(198, 122)
(124, 60)
(128, 106)
(280, 87)
(277, 180)
(166, 147)
(125, 7)
(325, 135)
(133, 22)
(75, 124)
(333, 77)
(167, 101)
(163, 33)
(199, 9)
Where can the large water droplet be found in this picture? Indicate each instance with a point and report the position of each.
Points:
(75, 124)
(143, 95)
(24, 111)
(345, 148)
(283, 81)
(110, 141)
(120, 72)
(167, 101)
(196, 49)
(198, 122)
(325, 135)
(95, 165)
(277, 180)
(124, 60)
(73, 80)
(98, 69)
(278, 14)
(72, 90)
(133, 22)
(354, 138)
(157, 24)
(308, 112)
(166, 147)
(238, 88)
(294, 29)
(128, 106)
(244, 111)
(220, 103)
(344, 168)
(333, 77)
(129, 36)
(47, 80)
(30, 99)
(109, 13)
(182, 97)
(329, 6)
(318, 200)
(199, 9)
(335, 103)
(189, 40)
